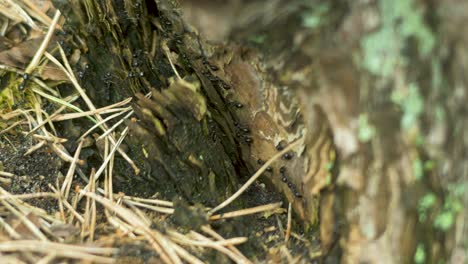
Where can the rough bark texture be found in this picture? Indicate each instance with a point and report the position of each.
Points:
(388, 76)
(382, 79)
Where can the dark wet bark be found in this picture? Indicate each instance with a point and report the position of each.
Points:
(126, 47)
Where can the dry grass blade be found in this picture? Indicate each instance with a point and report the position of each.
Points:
(60, 250)
(17, 113)
(62, 102)
(37, 13)
(184, 254)
(284, 251)
(288, 225)
(220, 248)
(10, 230)
(205, 242)
(102, 110)
(47, 259)
(254, 177)
(40, 52)
(141, 215)
(65, 190)
(44, 86)
(63, 154)
(5, 182)
(114, 126)
(158, 209)
(35, 147)
(60, 202)
(11, 126)
(114, 149)
(88, 113)
(13, 11)
(98, 124)
(248, 211)
(6, 174)
(24, 207)
(168, 55)
(108, 182)
(211, 232)
(28, 196)
(149, 201)
(68, 71)
(23, 218)
(49, 118)
(49, 138)
(88, 228)
(162, 245)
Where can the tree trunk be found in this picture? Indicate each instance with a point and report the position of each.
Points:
(380, 81)
(383, 72)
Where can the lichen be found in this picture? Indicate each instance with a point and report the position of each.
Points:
(401, 21)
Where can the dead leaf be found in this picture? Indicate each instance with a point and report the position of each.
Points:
(20, 55)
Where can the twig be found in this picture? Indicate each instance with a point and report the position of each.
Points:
(248, 211)
(254, 177)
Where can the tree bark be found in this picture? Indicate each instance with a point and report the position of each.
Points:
(383, 72)
(368, 88)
